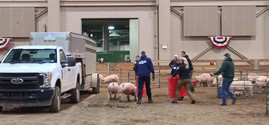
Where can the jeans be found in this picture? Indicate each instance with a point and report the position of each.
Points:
(141, 81)
(226, 89)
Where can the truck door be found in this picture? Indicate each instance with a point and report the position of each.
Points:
(65, 71)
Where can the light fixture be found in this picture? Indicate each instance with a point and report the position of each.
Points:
(111, 27)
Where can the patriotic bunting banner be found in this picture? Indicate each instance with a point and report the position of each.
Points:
(220, 41)
(4, 42)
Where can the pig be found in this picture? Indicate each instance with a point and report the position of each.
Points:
(236, 79)
(252, 77)
(239, 86)
(111, 78)
(220, 78)
(204, 79)
(261, 81)
(101, 79)
(127, 89)
(113, 88)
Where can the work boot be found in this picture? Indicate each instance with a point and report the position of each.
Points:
(174, 101)
(150, 100)
(223, 104)
(139, 101)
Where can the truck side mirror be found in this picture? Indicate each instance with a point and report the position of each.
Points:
(64, 64)
(71, 61)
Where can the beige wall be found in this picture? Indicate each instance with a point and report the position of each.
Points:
(42, 21)
(251, 47)
(71, 22)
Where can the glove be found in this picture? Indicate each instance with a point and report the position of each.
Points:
(153, 77)
(211, 74)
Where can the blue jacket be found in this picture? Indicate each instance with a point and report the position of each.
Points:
(144, 66)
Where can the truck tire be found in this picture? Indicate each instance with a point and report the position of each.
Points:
(97, 89)
(56, 101)
(75, 94)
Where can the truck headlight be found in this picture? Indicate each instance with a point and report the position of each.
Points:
(47, 77)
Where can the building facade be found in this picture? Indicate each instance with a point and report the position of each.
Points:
(162, 28)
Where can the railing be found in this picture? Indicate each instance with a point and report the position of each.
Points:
(161, 68)
(267, 96)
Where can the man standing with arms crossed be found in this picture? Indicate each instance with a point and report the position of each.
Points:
(144, 67)
(227, 70)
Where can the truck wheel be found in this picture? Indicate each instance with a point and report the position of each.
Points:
(56, 101)
(97, 89)
(75, 94)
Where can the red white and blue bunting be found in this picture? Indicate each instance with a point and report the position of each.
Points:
(4, 42)
(220, 41)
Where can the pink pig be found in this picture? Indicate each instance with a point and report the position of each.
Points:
(111, 78)
(113, 89)
(205, 79)
(127, 89)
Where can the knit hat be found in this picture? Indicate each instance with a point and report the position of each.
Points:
(227, 55)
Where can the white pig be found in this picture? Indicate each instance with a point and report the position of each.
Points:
(101, 78)
(239, 86)
(113, 89)
(111, 78)
(127, 89)
(261, 81)
(220, 78)
(252, 77)
(205, 79)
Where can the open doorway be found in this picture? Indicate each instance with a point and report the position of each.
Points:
(115, 38)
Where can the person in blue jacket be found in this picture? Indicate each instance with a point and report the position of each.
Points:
(143, 69)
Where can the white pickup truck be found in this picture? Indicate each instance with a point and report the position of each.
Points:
(42, 73)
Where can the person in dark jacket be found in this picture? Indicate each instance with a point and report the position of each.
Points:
(227, 71)
(144, 67)
(173, 71)
(172, 62)
(184, 75)
(183, 54)
(135, 66)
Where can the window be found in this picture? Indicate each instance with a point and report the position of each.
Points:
(31, 56)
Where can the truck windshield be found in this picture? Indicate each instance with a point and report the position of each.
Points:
(31, 56)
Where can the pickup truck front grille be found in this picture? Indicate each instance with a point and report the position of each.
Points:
(30, 80)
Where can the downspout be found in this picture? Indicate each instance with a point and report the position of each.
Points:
(158, 33)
